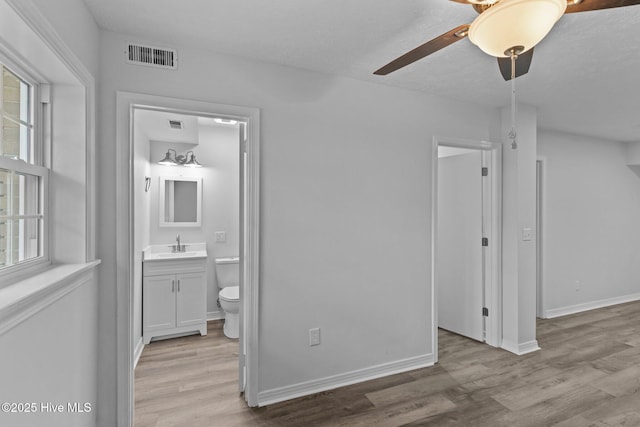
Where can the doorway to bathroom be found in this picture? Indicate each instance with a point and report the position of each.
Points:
(223, 141)
(466, 228)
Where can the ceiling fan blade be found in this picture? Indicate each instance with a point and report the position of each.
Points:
(426, 49)
(522, 65)
(587, 5)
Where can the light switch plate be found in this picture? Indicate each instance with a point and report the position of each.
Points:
(527, 234)
(314, 336)
(221, 236)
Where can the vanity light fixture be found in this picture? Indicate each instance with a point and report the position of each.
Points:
(192, 162)
(168, 161)
(179, 159)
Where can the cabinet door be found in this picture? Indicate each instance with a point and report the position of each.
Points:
(191, 301)
(159, 302)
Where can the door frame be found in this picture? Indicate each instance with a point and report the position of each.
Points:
(249, 292)
(492, 224)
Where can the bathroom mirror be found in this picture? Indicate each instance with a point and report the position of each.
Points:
(180, 201)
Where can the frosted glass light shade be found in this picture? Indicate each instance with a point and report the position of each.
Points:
(515, 23)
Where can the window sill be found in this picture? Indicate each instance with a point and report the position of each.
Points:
(25, 298)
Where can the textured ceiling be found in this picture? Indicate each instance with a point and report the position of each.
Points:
(583, 78)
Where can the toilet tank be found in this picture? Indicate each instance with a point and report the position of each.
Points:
(227, 271)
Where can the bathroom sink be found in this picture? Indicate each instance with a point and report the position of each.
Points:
(177, 254)
(165, 252)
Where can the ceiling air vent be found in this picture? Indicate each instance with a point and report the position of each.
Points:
(175, 124)
(152, 56)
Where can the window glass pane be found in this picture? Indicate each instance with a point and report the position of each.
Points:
(15, 97)
(20, 241)
(4, 192)
(21, 222)
(15, 140)
(25, 195)
(4, 243)
(4, 220)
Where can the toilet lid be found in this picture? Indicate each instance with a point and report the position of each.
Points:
(230, 293)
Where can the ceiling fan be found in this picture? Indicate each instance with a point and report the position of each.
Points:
(506, 29)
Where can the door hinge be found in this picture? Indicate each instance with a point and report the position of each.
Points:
(485, 311)
(485, 241)
(485, 171)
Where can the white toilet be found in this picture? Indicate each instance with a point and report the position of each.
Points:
(228, 274)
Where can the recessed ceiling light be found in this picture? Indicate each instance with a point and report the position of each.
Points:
(225, 121)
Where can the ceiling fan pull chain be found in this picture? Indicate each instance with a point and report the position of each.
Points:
(512, 133)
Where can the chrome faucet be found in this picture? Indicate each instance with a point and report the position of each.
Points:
(178, 247)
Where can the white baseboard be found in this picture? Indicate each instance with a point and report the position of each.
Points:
(280, 394)
(520, 349)
(215, 315)
(578, 308)
(137, 352)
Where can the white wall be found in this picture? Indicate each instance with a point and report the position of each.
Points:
(219, 153)
(82, 37)
(345, 209)
(68, 175)
(633, 157)
(518, 213)
(590, 225)
(633, 153)
(51, 357)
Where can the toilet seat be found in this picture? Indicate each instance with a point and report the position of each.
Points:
(230, 293)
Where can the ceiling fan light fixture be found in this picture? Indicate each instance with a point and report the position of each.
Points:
(515, 23)
(464, 32)
(483, 2)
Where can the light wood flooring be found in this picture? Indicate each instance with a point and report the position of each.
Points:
(587, 374)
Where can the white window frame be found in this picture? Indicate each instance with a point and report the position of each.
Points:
(40, 109)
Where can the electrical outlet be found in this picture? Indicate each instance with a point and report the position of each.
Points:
(527, 234)
(221, 236)
(314, 337)
(577, 285)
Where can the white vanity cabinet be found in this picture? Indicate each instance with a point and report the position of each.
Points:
(174, 297)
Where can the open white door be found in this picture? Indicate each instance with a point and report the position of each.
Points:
(242, 325)
(459, 242)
